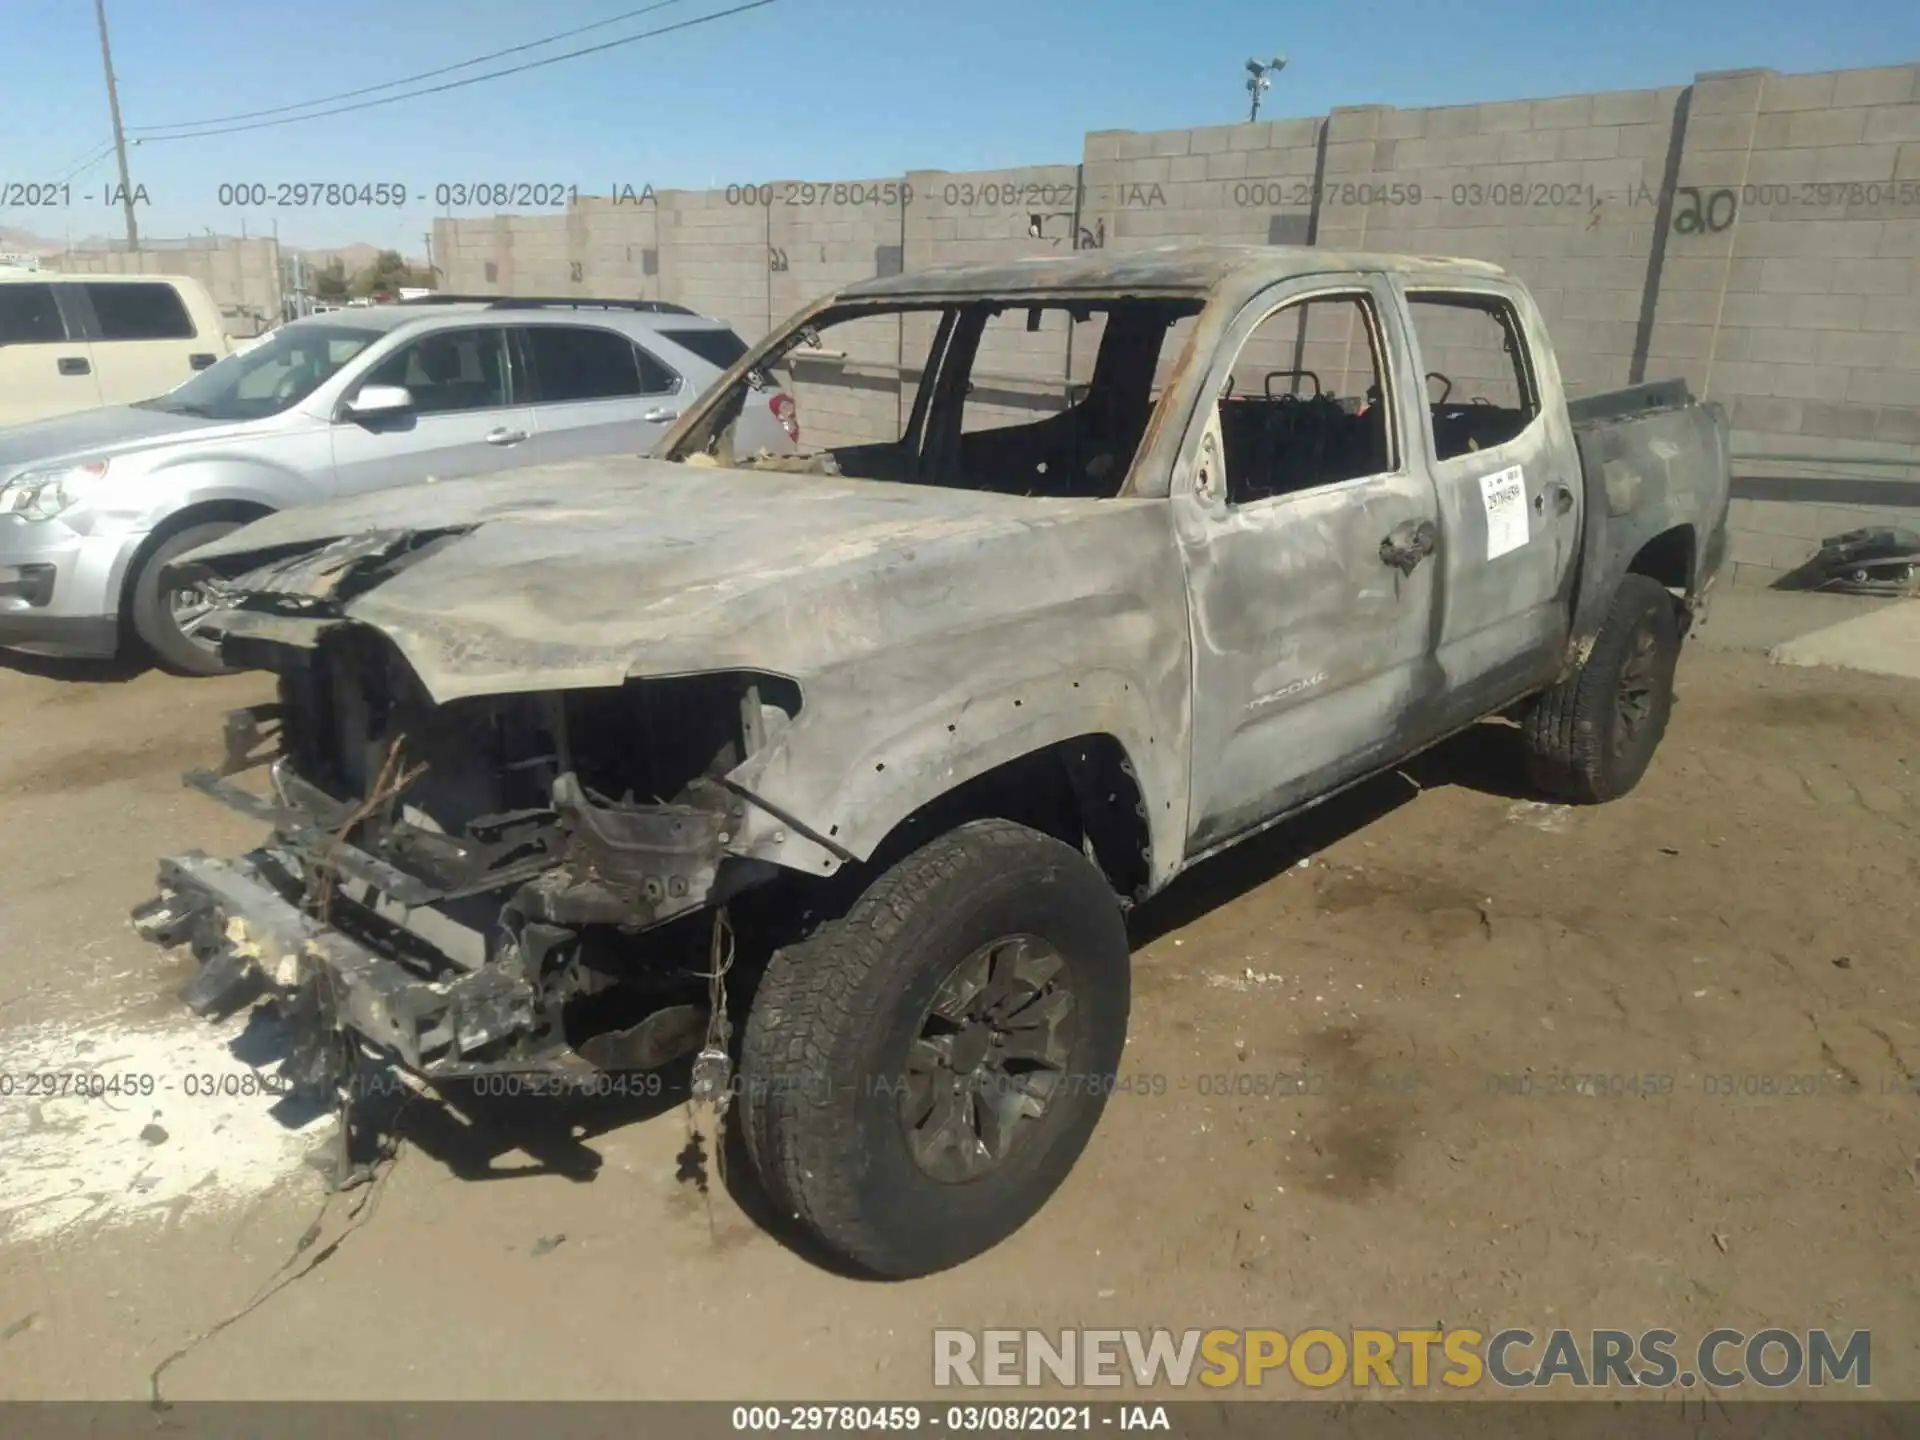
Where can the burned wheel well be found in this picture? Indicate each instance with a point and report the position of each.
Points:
(1082, 791)
(1667, 558)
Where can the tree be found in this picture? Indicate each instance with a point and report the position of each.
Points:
(330, 281)
(387, 274)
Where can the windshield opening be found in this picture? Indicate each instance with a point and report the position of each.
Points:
(274, 375)
(1046, 397)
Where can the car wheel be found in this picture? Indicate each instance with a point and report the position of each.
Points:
(920, 1075)
(1591, 736)
(163, 616)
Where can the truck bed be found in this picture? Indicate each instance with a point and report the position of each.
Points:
(1657, 433)
(1633, 400)
(1654, 460)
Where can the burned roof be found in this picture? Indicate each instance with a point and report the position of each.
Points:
(1164, 269)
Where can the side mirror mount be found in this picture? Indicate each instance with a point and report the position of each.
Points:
(379, 402)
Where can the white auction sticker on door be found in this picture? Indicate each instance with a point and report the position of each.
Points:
(1504, 496)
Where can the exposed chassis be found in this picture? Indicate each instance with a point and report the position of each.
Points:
(244, 928)
(252, 921)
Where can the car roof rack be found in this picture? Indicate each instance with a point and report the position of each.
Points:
(543, 302)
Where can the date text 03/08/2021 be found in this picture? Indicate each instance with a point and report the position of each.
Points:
(1010, 195)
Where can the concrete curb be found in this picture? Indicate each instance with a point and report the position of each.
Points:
(1886, 642)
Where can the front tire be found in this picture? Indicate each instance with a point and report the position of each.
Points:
(160, 614)
(1590, 738)
(919, 1076)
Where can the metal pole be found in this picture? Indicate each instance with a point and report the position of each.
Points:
(119, 135)
(1259, 77)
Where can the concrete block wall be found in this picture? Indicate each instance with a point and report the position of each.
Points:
(1748, 231)
(1559, 191)
(977, 217)
(243, 276)
(614, 250)
(1231, 184)
(821, 237)
(1224, 184)
(514, 254)
(1792, 278)
(467, 255)
(714, 257)
(1791, 291)
(597, 248)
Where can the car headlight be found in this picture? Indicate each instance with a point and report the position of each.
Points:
(43, 494)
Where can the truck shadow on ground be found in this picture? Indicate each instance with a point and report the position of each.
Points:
(472, 1132)
(469, 1127)
(1485, 757)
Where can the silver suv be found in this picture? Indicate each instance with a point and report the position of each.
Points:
(94, 505)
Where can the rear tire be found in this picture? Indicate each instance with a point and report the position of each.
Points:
(845, 1037)
(1590, 738)
(155, 615)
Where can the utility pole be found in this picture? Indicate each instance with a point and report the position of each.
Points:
(119, 135)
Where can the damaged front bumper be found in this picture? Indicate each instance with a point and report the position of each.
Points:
(576, 863)
(454, 955)
(486, 884)
(248, 935)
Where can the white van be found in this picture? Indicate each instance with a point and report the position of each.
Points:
(72, 342)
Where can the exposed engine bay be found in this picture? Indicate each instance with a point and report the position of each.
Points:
(503, 883)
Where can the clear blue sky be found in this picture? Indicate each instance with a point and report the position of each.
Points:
(800, 89)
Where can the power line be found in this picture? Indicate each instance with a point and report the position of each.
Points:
(408, 79)
(470, 80)
(94, 157)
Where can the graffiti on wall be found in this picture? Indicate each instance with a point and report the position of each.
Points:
(1082, 238)
(1703, 212)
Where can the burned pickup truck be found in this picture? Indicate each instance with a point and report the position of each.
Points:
(1102, 564)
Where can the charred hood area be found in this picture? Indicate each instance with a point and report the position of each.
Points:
(547, 744)
(504, 851)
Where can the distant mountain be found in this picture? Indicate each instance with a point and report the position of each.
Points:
(29, 243)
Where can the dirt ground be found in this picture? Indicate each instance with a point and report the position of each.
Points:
(1742, 925)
